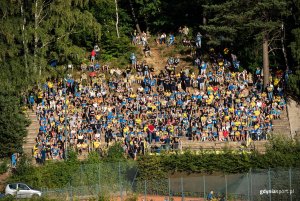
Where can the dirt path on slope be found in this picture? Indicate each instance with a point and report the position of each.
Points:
(156, 60)
(160, 55)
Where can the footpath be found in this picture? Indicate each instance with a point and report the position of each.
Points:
(33, 130)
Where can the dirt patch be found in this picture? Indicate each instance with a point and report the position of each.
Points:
(3, 179)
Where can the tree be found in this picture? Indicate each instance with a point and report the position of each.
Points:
(294, 78)
(62, 24)
(12, 125)
(11, 61)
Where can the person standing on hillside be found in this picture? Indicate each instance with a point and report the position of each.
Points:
(162, 39)
(93, 56)
(185, 31)
(198, 40)
(171, 39)
(31, 101)
(133, 60)
(97, 50)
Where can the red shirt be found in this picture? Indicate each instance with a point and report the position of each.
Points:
(225, 133)
(93, 53)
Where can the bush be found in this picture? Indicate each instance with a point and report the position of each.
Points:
(115, 153)
(4, 164)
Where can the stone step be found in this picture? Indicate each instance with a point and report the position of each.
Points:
(281, 127)
(285, 129)
(32, 117)
(33, 128)
(281, 123)
(30, 143)
(33, 132)
(280, 120)
(284, 123)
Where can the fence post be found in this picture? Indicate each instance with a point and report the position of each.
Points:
(290, 180)
(248, 182)
(226, 186)
(99, 181)
(169, 184)
(251, 189)
(71, 193)
(81, 171)
(270, 187)
(182, 193)
(145, 190)
(204, 196)
(120, 182)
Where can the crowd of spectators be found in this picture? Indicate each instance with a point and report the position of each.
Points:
(213, 101)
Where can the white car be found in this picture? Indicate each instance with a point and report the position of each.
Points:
(20, 190)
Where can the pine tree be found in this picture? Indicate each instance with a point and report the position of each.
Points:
(259, 19)
(12, 125)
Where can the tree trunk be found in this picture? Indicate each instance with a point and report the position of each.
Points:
(117, 19)
(283, 46)
(204, 20)
(266, 65)
(24, 41)
(134, 17)
(36, 39)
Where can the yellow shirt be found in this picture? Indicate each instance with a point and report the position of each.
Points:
(209, 101)
(96, 144)
(209, 88)
(203, 118)
(40, 95)
(227, 118)
(133, 96)
(126, 129)
(153, 107)
(138, 121)
(98, 116)
(50, 85)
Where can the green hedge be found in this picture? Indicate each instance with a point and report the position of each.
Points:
(280, 152)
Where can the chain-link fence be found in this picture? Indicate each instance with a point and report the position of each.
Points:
(120, 181)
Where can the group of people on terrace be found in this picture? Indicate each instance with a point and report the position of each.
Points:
(140, 108)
